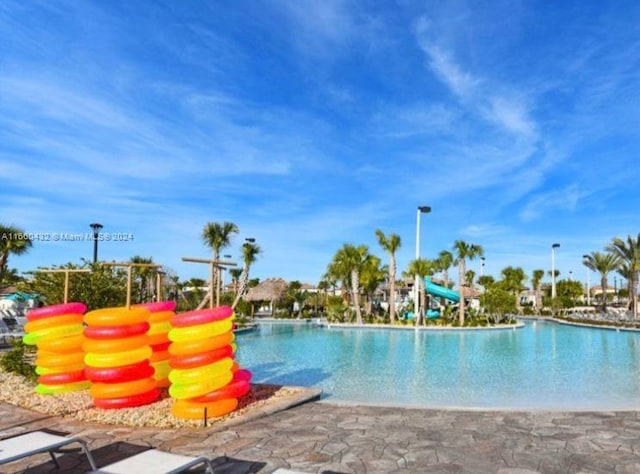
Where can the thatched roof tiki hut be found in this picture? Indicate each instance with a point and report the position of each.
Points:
(270, 290)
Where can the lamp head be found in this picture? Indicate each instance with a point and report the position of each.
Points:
(555, 246)
(96, 227)
(424, 209)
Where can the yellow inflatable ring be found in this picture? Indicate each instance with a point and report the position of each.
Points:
(201, 345)
(196, 411)
(59, 370)
(201, 331)
(51, 359)
(159, 328)
(197, 374)
(104, 346)
(161, 317)
(116, 316)
(62, 388)
(46, 323)
(62, 345)
(122, 389)
(193, 390)
(60, 331)
(162, 369)
(117, 359)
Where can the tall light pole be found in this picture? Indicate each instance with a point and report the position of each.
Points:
(96, 230)
(553, 269)
(416, 294)
(586, 259)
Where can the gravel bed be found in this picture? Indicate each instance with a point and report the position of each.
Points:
(17, 390)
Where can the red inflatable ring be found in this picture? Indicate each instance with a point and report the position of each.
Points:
(116, 332)
(56, 310)
(242, 374)
(124, 373)
(202, 316)
(128, 402)
(157, 306)
(62, 378)
(235, 389)
(201, 359)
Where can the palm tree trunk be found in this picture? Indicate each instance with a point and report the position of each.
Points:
(461, 270)
(244, 278)
(603, 284)
(392, 291)
(355, 283)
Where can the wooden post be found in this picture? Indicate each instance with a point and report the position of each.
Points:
(66, 272)
(129, 266)
(159, 285)
(213, 264)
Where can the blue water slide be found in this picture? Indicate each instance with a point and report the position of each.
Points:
(440, 291)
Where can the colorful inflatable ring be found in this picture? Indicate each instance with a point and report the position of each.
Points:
(235, 367)
(161, 369)
(116, 316)
(62, 345)
(235, 389)
(161, 317)
(163, 346)
(201, 359)
(160, 328)
(59, 370)
(198, 374)
(193, 390)
(118, 359)
(125, 373)
(196, 411)
(123, 389)
(202, 331)
(201, 345)
(46, 323)
(127, 402)
(62, 388)
(62, 378)
(116, 332)
(56, 310)
(158, 306)
(201, 316)
(103, 346)
(158, 339)
(60, 331)
(242, 374)
(52, 359)
(158, 356)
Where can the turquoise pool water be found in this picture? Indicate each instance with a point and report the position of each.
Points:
(541, 366)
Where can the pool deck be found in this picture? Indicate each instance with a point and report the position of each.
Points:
(327, 438)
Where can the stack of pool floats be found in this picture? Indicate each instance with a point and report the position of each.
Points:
(205, 380)
(117, 358)
(125, 355)
(57, 332)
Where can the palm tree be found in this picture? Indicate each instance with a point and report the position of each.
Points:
(444, 263)
(250, 252)
(421, 267)
(469, 278)
(602, 263)
(218, 236)
(235, 276)
(513, 279)
(629, 253)
(145, 274)
(13, 241)
(536, 279)
(371, 277)
(463, 252)
(390, 244)
(347, 264)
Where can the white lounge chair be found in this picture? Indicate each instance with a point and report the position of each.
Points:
(36, 442)
(154, 461)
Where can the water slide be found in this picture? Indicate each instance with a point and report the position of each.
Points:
(440, 291)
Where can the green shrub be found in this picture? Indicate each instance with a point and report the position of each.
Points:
(17, 360)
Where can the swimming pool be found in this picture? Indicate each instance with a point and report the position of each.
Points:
(541, 366)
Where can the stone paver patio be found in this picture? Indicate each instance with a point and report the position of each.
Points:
(326, 438)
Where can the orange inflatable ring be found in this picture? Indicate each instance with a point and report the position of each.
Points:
(201, 345)
(127, 402)
(34, 338)
(124, 373)
(158, 356)
(56, 310)
(197, 374)
(104, 346)
(118, 359)
(62, 345)
(52, 359)
(62, 378)
(201, 316)
(122, 389)
(192, 390)
(46, 323)
(235, 389)
(157, 339)
(62, 388)
(161, 317)
(158, 306)
(116, 332)
(59, 370)
(116, 316)
(200, 359)
(196, 411)
(202, 331)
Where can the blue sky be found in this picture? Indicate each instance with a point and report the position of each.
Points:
(310, 124)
